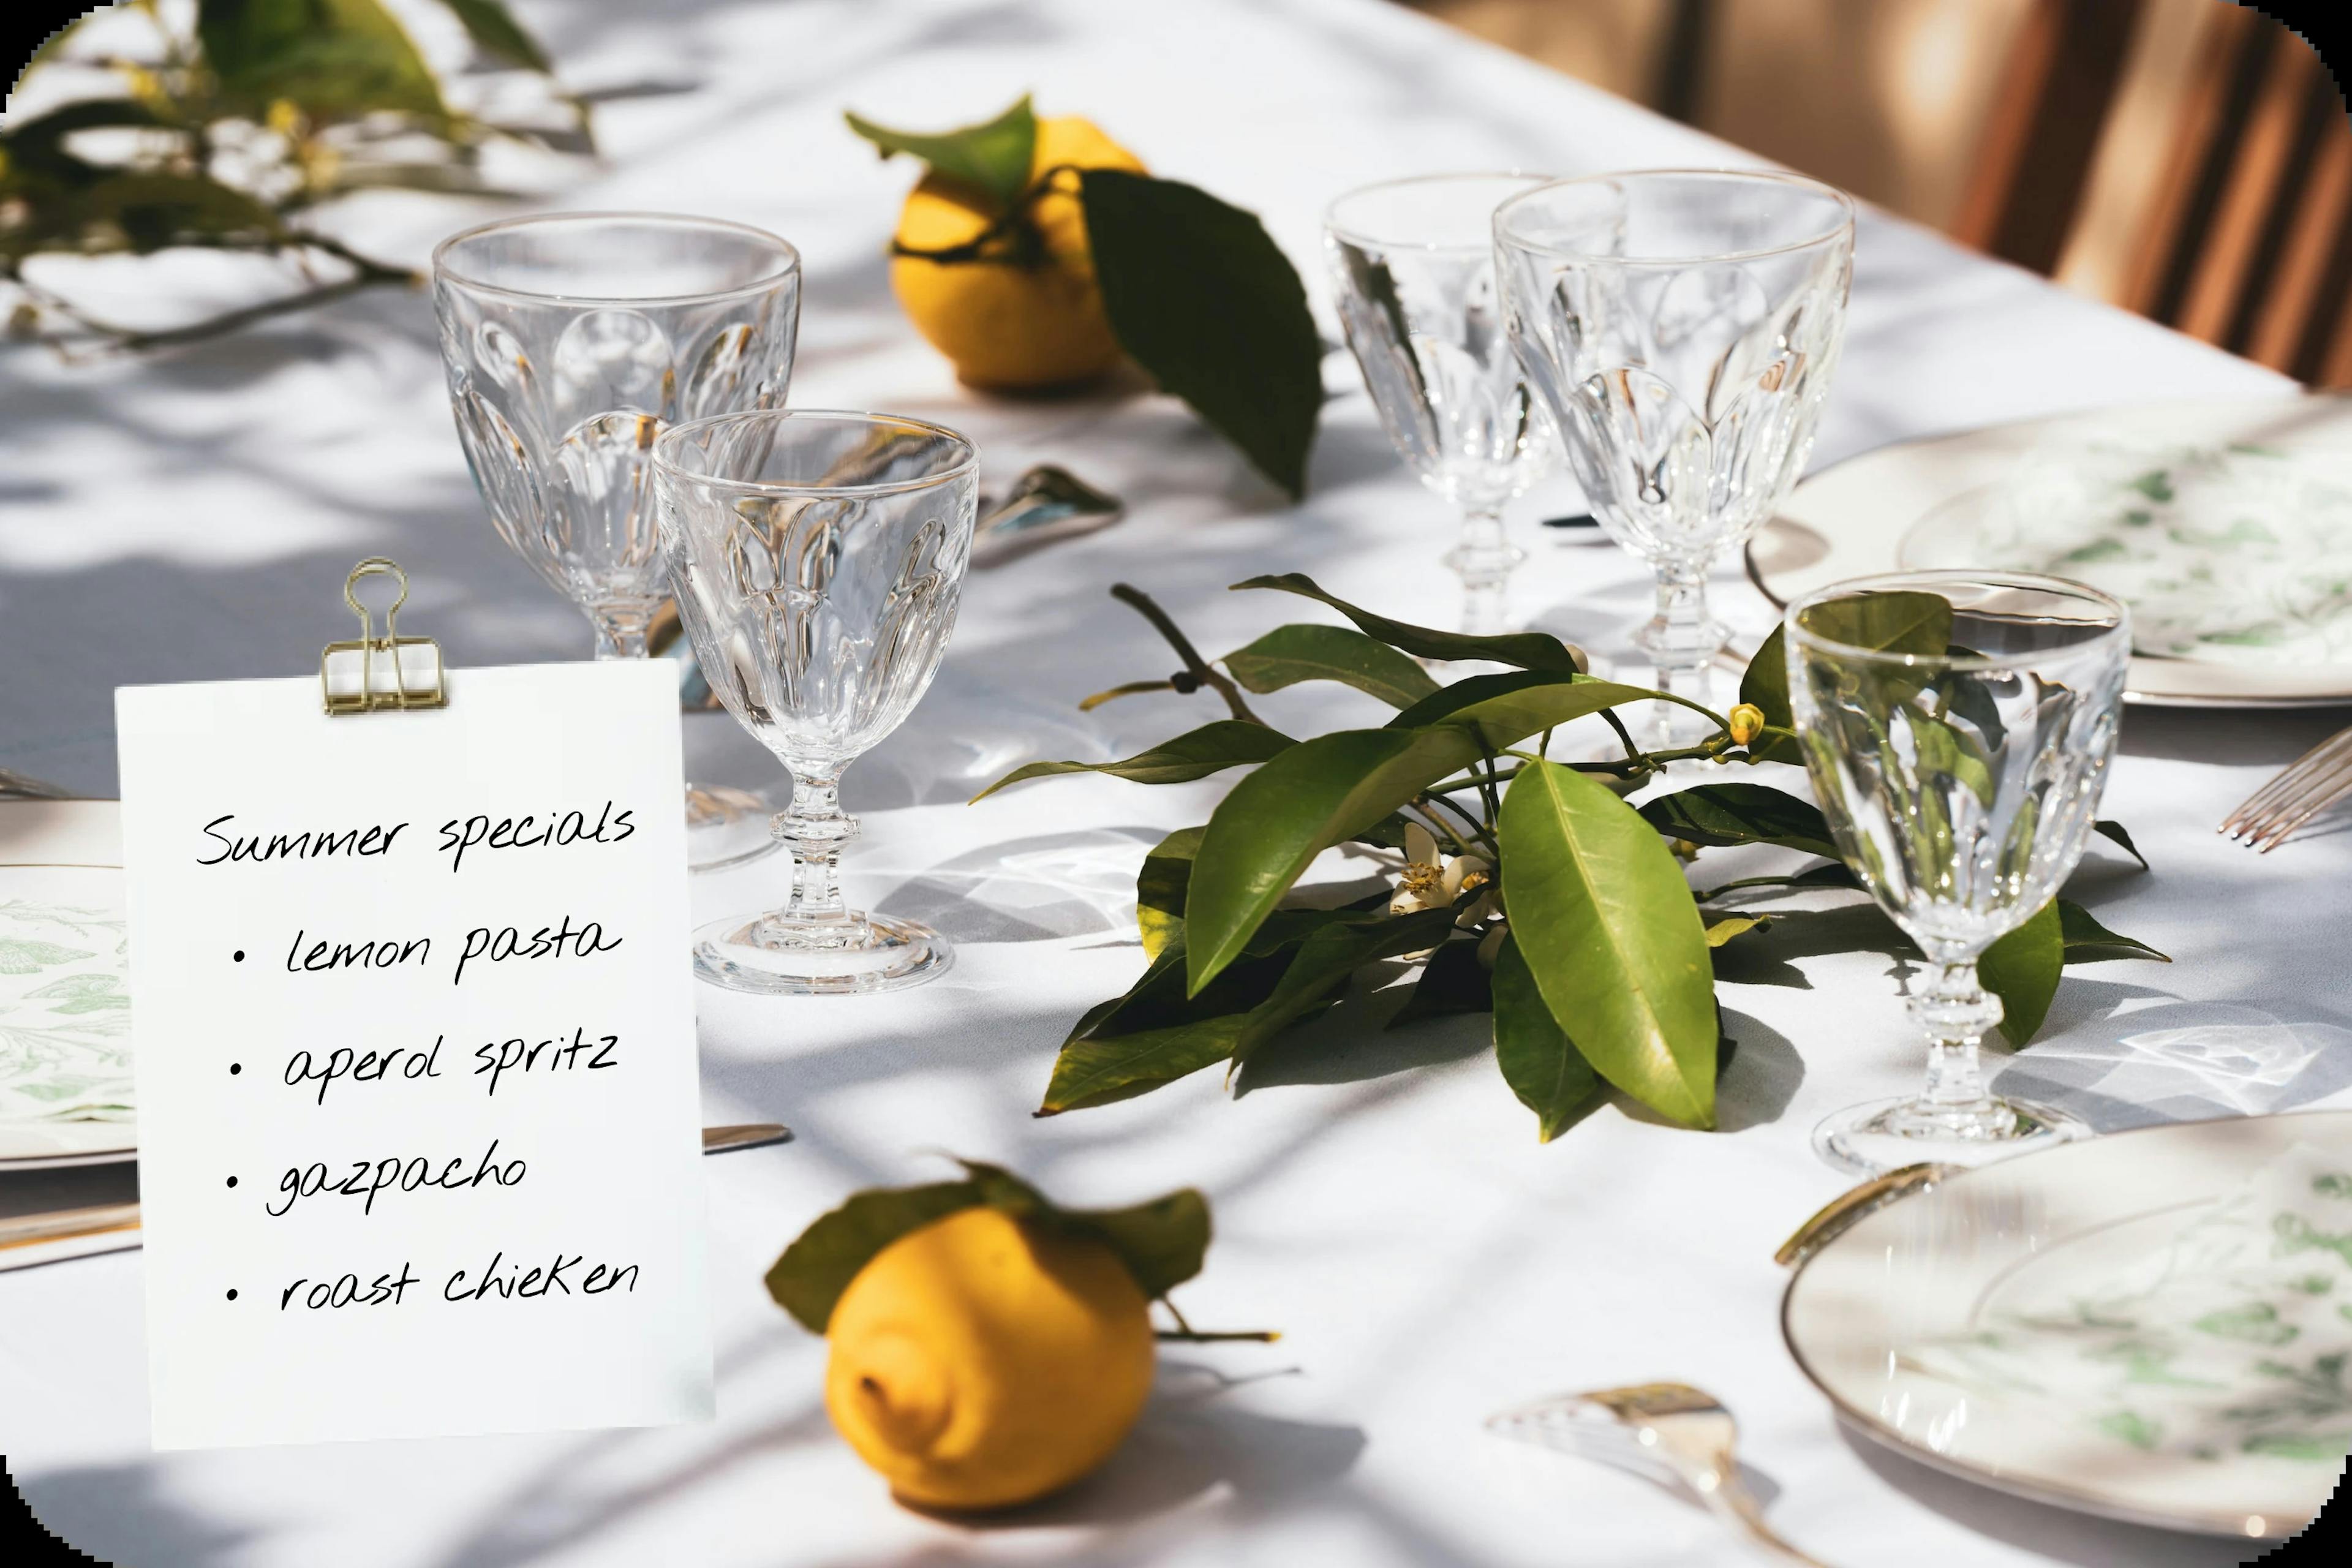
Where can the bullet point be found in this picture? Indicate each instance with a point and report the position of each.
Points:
(231, 1181)
(238, 955)
(235, 1068)
(232, 1295)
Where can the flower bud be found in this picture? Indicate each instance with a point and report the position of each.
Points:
(1746, 723)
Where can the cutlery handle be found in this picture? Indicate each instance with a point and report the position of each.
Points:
(63, 1224)
(1730, 1502)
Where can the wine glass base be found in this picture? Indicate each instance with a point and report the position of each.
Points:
(726, 827)
(774, 955)
(1888, 1135)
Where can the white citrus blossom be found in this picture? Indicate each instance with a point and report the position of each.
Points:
(1431, 881)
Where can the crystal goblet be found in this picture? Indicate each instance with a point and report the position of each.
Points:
(1682, 326)
(818, 559)
(571, 341)
(1961, 778)
(1413, 265)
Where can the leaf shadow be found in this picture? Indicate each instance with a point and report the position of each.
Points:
(1766, 955)
(1761, 1078)
(1352, 1042)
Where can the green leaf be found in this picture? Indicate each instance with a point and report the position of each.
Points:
(157, 210)
(1765, 686)
(1528, 650)
(992, 157)
(2115, 832)
(1199, 295)
(1092, 1071)
(1600, 910)
(1723, 928)
(2022, 969)
(1160, 888)
(1158, 1032)
(1453, 980)
(1538, 1060)
(1264, 833)
(1718, 815)
(2088, 942)
(1507, 708)
(334, 60)
(1889, 621)
(1288, 655)
(1338, 786)
(1326, 960)
(495, 33)
(813, 1271)
(1196, 753)
(1161, 1243)
(1886, 622)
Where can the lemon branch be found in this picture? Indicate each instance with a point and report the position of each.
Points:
(1197, 671)
(366, 273)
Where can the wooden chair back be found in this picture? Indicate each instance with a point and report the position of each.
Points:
(2191, 160)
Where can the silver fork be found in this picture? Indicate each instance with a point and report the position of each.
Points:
(2312, 782)
(1667, 1431)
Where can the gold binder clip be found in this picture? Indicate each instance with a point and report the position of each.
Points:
(387, 671)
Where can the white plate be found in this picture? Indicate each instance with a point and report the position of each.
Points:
(54, 1145)
(61, 987)
(1864, 516)
(1939, 1267)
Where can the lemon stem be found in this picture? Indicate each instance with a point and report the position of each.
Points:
(1185, 1334)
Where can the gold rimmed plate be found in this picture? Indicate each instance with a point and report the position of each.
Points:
(2212, 508)
(2147, 1327)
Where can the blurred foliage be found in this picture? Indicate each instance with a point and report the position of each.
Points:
(229, 120)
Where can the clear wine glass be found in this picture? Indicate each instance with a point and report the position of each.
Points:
(1961, 778)
(571, 341)
(818, 559)
(1413, 265)
(1682, 326)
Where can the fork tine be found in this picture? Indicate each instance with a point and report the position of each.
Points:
(2321, 797)
(2279, 797)
(2263, 823)
(2293, 775)
(2311, 792)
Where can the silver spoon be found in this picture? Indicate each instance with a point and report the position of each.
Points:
(1046, 503)
(1665, 1432)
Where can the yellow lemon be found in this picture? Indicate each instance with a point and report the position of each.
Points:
(1004, 323)
(978, 1362)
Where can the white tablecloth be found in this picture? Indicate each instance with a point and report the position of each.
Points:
(1379, 1196)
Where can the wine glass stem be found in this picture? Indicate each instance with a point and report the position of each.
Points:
(814, 828)
(621, 631)
(1485, 559)
(1683, 639)
(1955, 1011)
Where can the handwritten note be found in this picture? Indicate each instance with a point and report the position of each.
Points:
(414, 1035)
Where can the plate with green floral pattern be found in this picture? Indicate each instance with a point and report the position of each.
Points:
(65, 1001)
(2153, 1326)
(2226, 527)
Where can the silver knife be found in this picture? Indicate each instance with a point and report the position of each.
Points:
(123, 1219)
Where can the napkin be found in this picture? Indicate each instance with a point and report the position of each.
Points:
(2233, 1338)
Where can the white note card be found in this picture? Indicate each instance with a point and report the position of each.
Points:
(412, 1024)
